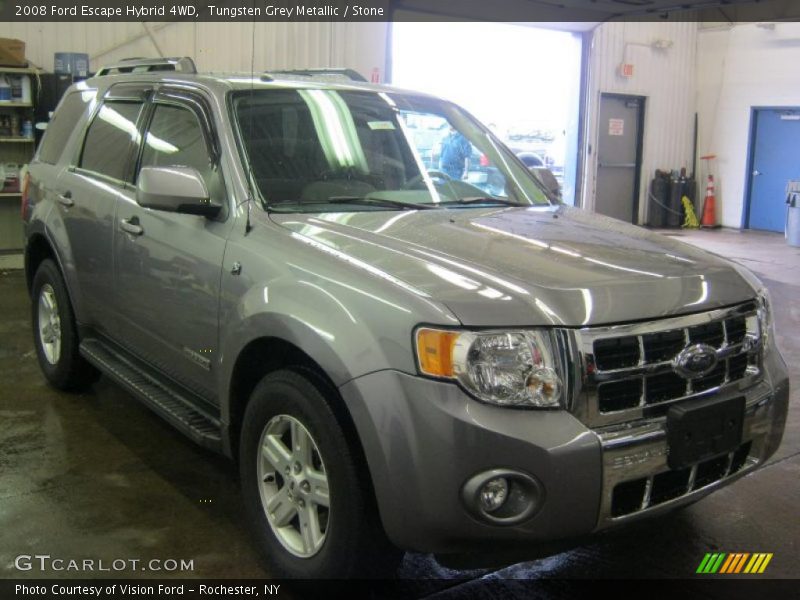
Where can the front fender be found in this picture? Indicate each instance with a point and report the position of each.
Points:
(286, 328)
(326, 325)
(348, 322)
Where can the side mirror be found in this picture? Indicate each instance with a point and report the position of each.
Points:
(547, 179)
(174, 189)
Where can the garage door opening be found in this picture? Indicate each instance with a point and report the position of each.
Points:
(523, 82)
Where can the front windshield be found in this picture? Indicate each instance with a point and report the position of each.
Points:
(321, 150)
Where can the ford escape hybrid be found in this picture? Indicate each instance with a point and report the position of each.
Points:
(281, 268)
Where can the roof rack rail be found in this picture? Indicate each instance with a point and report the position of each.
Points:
(182, 64)
(318, 74)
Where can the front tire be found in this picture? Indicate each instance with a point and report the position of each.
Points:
(307, 495)
(55, 335)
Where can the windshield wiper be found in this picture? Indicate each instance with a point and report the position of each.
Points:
(386, 202)
(480, 200)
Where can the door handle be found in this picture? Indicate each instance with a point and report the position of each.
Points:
(131, 226)
(66, 199)
(756, 173)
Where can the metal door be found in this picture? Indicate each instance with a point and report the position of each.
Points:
(86, 196)
(168, 265)
(87, 204)
(776, 134)
(619, 156)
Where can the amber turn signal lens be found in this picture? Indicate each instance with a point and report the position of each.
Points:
(435, 351)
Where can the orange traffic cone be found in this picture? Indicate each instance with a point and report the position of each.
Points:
(709, 218)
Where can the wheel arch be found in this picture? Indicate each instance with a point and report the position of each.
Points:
(40, 247)
(37, 249)
(267, 354)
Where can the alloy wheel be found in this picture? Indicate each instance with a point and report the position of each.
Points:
(49, 324)
(293, 484)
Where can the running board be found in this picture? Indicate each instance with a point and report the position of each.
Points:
(164, 400)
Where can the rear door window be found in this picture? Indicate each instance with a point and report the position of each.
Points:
(61, 125)
(111, 140)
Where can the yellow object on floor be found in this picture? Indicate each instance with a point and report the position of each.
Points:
(691, 221)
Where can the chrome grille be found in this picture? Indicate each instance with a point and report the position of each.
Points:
(632, 496)
(629, 370)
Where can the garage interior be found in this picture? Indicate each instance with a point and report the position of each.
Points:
(99, 472)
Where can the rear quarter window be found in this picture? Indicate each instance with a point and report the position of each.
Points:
(66, 116)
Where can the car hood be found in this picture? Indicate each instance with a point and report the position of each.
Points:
(528, 266)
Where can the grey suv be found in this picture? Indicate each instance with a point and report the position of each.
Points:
(397, 360)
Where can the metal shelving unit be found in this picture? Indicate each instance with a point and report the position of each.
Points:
(18, 150)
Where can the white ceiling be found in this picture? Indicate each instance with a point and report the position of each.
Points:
(574, 26)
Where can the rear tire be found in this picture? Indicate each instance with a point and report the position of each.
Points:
(55, 335)
(308, 498)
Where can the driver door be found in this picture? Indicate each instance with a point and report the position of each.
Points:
(168, 265)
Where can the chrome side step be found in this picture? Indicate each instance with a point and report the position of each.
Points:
(166, 401)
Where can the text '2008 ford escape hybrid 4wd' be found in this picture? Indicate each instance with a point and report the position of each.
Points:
(287, 272)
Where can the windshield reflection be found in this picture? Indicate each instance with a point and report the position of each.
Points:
(328, 150)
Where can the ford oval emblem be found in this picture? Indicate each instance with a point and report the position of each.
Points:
(696, 361)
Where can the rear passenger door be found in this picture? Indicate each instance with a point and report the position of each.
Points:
(87, 195)
(168, 265)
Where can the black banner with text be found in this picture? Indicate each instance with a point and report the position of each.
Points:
(443, 589)
(397, 10)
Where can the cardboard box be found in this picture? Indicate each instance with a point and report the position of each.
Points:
(12, 53)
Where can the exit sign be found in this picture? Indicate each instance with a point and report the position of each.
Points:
(626, 70)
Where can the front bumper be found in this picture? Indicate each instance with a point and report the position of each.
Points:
(424, 439)
(637, 482)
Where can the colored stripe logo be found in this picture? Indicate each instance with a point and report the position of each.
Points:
(734, 563)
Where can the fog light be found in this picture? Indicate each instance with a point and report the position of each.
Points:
(494, 493)
(502, 496)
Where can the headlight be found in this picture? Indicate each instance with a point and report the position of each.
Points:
(764, 311)
(765, 314)
(507, 368)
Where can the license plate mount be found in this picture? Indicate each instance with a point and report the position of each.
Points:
(704, 430)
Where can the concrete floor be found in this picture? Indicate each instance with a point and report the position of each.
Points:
(98, 475)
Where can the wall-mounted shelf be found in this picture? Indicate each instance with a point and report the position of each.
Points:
(20, 70)
(15, 149)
